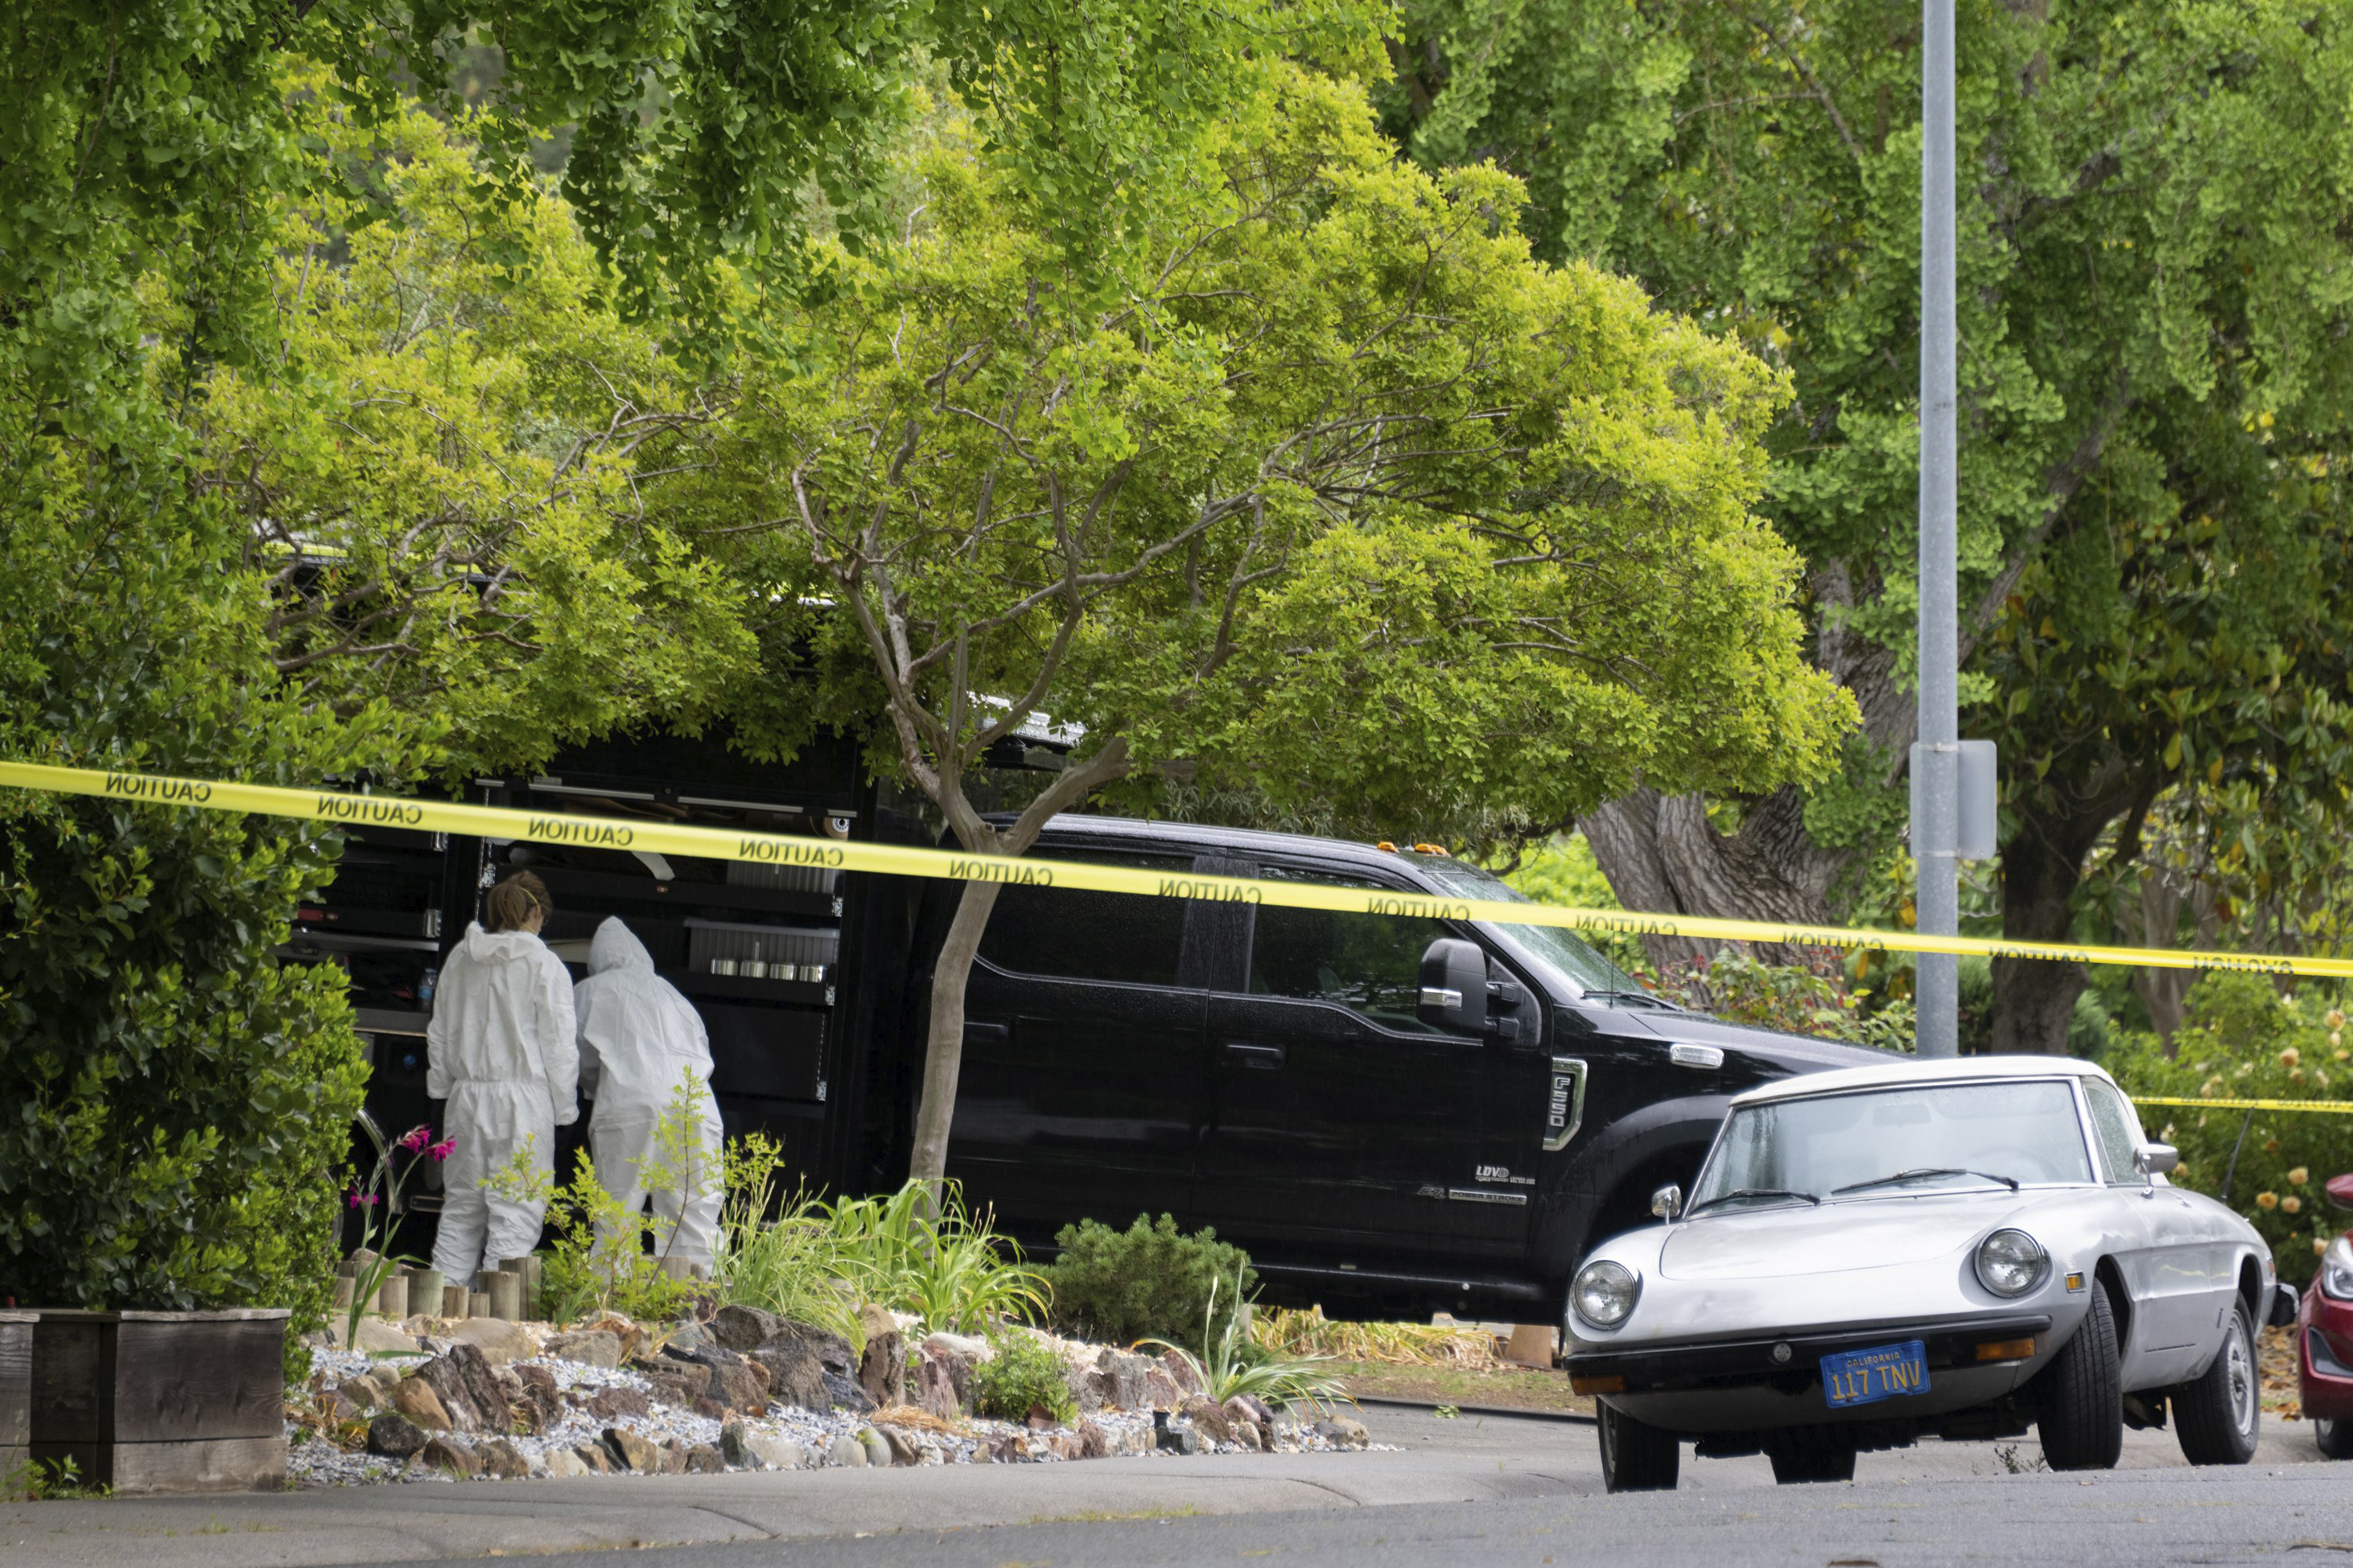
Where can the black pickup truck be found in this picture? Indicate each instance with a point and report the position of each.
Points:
(1394, 1114)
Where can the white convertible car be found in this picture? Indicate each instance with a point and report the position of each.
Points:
(1952, 1249)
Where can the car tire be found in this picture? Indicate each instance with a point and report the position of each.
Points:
(1636, 1458)
(1810, 1454)
(2335, 1436)
(2083, 1420)
(2220, 1414)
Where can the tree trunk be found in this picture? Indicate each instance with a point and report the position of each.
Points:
(1662, 856)
(943, 1041)
(2034, 998)
(2155, 922)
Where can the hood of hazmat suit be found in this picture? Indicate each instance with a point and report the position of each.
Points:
(638, 1037)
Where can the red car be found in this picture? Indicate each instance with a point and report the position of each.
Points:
(2324, 1338)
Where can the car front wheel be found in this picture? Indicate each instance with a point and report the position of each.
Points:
(2335, 1436)
(1636, 1458)
(2221, 1414)
(2082, 1422)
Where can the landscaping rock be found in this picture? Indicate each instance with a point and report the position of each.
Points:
(1181, 1372)
(938, 1390)
(847, 1451)
(735, 1445)
(502, 1460)
(594, 1456)
(1208, 1418)
(589, 1347)
(364, 1391)
(1246, 1435)
(878, 1448)
(797, 1358)
(711, 1409)
(631, 1452)
(395, 1436)
(450, 1457)
(1178, 1440)
(499, 1340)
(673, 1457)
(1004, 1449)
(1120, 1380)
(612, 1403)
(1095, 1443)
(1342, 1433)
(376, 1337)
(843, 1393)
(1160, 1390)
(674, 1382)
(743, 1329)
(703, 1460)
(736, 1382)
(1254, 1408)
(972, 1347)
(563, 1462)
(414, 1397)
(468, 1388)
(541, 1400)
(882, 1370)
(903, 1446)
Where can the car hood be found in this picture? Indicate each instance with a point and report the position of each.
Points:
(1840, 1237)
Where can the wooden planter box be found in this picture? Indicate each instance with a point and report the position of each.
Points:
(16, 1389)
(162, 1402)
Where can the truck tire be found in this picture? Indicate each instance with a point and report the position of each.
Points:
(2221, 1414)
(1810, 1454)
(2083, 1421)
(1636, 1458)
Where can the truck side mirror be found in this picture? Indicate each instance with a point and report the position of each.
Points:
(1454, 987)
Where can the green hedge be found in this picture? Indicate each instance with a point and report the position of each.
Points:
(2243, 1041)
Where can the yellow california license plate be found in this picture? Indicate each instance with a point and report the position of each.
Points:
(1882, 1372)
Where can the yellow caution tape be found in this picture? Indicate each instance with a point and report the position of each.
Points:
(341, 808)
(2340, 1107)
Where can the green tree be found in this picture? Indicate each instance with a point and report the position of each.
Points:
(2154, 380)
(1337, 497)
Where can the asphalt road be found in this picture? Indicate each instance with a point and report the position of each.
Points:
(1490, 1493)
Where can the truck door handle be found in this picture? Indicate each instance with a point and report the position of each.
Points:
(1261, 1057)
(986, 1033)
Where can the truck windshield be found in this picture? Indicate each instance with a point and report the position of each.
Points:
(1554, 947)
(1896, 1141)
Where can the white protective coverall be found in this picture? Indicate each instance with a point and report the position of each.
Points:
(639, 1038)
(500, 1050)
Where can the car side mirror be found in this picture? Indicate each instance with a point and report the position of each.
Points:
(1667, 1202)
(1454, 986)
(2156, 1159)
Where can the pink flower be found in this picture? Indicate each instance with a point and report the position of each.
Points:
(416, 1138)
(441, 1151)
(357, 1200)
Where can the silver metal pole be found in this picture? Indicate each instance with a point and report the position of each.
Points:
(1935, 816)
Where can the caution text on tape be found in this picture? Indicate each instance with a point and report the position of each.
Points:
(343, 808)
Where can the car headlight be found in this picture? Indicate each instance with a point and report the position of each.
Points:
(2011, 1263)
(1604, 1292)
(2337, 1270)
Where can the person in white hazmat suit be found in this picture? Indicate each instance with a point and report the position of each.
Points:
(500, 1050)
(638, 1041)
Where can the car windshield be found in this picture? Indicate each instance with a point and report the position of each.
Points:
(1890, 1141)
(1554, 947)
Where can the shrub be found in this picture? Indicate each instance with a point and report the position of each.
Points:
(2243, 1040)
(1147, 1281)
(1023, 1374)
(179, 1103)
(779, 1253)
(1232, 1363)
(954, 1271)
